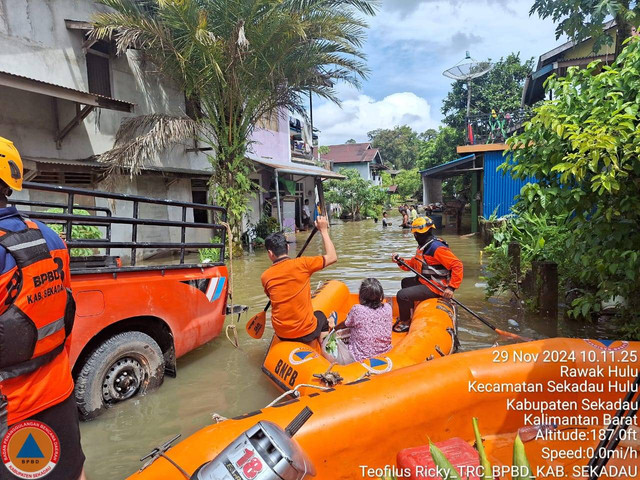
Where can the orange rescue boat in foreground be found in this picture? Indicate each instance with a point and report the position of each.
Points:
(359, 430)
(293, 364)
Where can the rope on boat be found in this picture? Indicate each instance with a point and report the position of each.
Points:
(296, 393)
(217, 418)
(231, 326)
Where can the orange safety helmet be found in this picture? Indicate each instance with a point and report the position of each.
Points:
(10, 165)
(422, 225)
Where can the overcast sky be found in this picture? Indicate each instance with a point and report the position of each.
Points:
(410, 43)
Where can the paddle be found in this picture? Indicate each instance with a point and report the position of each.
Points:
(492, 327)
(255, 325)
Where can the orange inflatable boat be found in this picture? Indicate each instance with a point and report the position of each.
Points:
(291, 365)
(569, 389)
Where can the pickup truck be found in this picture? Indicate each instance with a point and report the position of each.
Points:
(133, 321)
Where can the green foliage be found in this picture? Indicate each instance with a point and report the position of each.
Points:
(211, 255)
(355, 195)
(409, 183)
(387, 181)
(582, 147)
(399, 146)
(323, 150)
(266, 226)
(351, 141)
(78, 232)
(500, 90)
(239, 62)
(541, 237)
(440, 147)
(585, 18)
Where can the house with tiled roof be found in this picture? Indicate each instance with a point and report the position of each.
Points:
(359, 156)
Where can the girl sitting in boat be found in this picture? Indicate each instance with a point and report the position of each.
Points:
(369, 322)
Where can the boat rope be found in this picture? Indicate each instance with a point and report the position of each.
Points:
(231, 326)
(296, 393)
(160, 452)
(217, 418)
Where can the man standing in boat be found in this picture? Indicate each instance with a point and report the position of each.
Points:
(434, 260)
(287, 283)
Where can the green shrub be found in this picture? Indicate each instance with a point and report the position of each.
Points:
(78, 232)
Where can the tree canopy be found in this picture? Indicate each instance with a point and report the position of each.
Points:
(582, 148)
(238, 61)
(399, 146)
(499, 90)
(585, 18)
(409, 183)
(355, 195)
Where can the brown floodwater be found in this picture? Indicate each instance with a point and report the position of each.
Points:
(218, 378)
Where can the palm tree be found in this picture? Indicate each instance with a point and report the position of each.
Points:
(239, 61)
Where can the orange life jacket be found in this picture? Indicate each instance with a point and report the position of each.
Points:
(37, 318)
(431, 268)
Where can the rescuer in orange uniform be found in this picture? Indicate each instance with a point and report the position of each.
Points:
(434, 260)
(36, 318)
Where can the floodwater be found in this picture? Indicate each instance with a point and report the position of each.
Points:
(218, 378)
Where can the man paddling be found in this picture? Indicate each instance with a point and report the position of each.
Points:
(287, 283)
(435, 261)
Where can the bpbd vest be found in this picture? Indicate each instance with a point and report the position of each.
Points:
(39, 311)
(435, 271)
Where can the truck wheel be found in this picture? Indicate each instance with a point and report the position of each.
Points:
(125, 365)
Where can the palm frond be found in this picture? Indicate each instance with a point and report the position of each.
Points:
(140, 139)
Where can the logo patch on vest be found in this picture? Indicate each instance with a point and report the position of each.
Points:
(30, 449)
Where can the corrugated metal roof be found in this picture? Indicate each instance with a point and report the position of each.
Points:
(96, 164)
(299, 170)
(452, 165)
(352, 153)
(21, 82)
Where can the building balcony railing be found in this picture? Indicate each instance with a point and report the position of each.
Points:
(495, 127)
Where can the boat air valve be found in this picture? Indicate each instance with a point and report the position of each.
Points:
(264, 452)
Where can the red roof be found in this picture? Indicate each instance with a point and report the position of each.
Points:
(351, 153)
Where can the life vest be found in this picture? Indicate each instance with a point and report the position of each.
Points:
(433, 271)
(38, 310)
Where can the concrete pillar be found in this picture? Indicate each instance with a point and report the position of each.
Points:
(431, 190)
(474, 202)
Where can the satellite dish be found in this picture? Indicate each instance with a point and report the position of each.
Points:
(466, 70)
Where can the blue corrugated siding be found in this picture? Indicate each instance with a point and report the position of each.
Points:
(499, 190)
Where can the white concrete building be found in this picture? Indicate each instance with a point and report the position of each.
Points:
(63, 98)
(360, 156)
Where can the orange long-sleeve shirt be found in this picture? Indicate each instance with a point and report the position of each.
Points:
(437, 253)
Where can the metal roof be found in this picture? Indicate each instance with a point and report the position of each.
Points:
(352, 153)
(299, 170)
(441, 170)
(95, 164)
(32, 85)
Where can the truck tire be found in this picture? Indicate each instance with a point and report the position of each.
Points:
(123, 366)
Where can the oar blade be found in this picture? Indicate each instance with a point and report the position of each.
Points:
(255, 325)
(515, 336)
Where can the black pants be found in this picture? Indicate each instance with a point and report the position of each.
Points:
(63, 420)
(412, 291)
(322, 325)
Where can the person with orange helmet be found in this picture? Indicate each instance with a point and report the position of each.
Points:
(39, 431)
(433, 259)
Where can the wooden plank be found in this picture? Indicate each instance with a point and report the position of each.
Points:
(485, 147)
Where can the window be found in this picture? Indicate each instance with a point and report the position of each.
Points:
(98, 69)
(269, 122)
(200, 194)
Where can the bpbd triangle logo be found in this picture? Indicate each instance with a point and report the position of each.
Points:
(30, 449)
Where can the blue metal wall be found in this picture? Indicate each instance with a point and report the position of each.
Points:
(499, 190)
